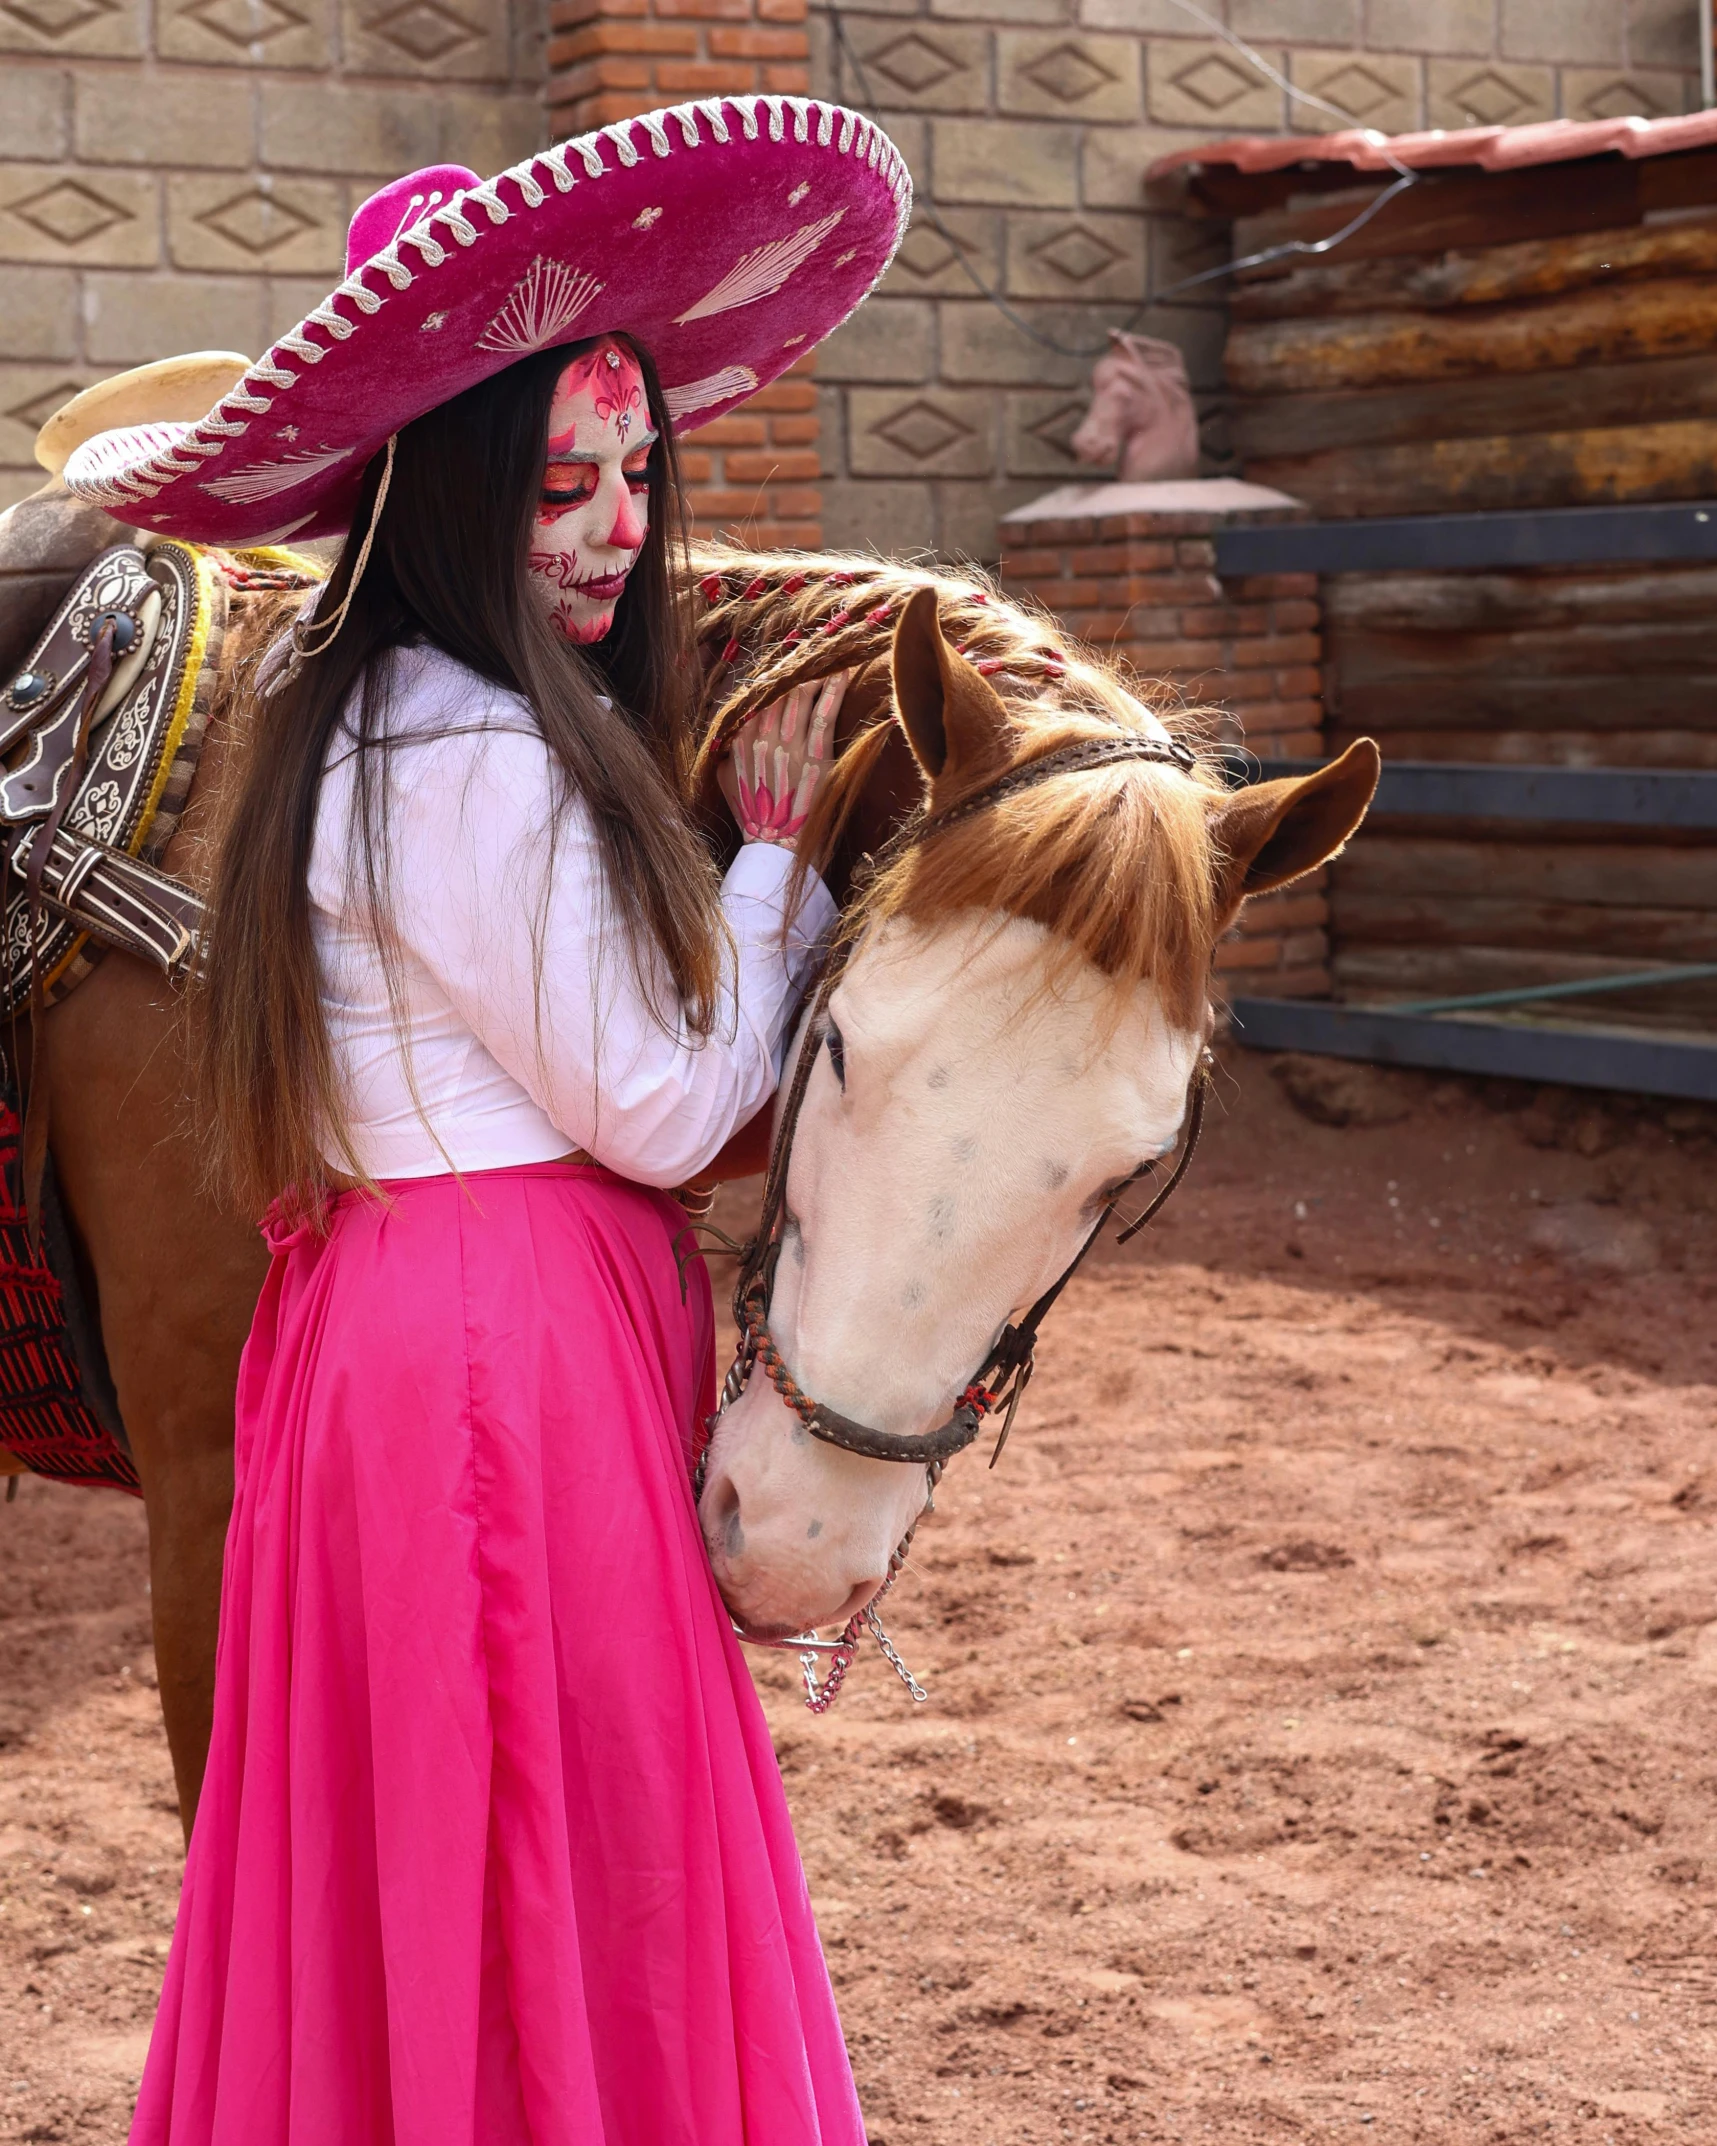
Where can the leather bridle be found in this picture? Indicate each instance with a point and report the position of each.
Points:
(1005, 1372)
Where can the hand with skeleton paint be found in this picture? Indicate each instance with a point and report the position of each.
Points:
(778, 757)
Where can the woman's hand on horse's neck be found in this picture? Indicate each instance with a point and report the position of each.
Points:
(778, 757)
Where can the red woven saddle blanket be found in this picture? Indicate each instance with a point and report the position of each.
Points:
(57, 1410)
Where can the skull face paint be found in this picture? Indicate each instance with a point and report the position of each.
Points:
(593, 514)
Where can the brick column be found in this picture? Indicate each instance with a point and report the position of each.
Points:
(1131, 569)
(754, 473)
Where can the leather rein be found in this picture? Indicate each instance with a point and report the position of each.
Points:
(1001, 1379)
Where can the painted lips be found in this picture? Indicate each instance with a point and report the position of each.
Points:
(600, 586)
(561, 567)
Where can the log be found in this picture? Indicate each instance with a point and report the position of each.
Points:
(1481, 275)
(1508, 602)
(1364, 656)
(1459, 208)
(1676, 459)
(1639, 935)
(1667, 318)
(1405, 973)
(1541, 748)
(1522, 705)
(1676, 182)
(1648, 874)
(1636, 393)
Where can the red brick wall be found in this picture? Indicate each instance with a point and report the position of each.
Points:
(755, 472)
(1144, 587)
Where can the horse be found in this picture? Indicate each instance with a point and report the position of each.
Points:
(175, 1276)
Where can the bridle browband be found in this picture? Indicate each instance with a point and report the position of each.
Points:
(1005, 1372)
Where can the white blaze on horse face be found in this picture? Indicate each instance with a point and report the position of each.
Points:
(986, 1109)
(593, 515)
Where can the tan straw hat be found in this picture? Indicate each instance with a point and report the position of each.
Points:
(171, 390)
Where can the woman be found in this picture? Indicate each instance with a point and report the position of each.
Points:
(492, 1845)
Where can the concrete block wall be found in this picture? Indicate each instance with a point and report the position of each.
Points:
(1029, 124)
(753, 473)
(177, 174)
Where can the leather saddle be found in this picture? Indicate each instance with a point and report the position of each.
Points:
(90, 795)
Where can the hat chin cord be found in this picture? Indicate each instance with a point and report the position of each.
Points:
(329, 627)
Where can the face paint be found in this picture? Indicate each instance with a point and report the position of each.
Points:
(592, 516)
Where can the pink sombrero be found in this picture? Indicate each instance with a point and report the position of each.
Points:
(727, 236)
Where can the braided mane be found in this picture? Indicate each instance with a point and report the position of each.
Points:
(1118, 862)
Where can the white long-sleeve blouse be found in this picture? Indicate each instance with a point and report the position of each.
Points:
(472, 1066)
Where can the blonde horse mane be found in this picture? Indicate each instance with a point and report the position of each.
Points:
(1119, 863)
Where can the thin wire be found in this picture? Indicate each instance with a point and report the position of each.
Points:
(1288, 249)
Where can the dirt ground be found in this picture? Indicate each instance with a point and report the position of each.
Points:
(1322, 1693)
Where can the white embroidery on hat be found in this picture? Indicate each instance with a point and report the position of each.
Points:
(108, 468)
(762, 271)
(264, 479)
(413, 209)
(286, 529)
(548, 298)
(798, 194)
(645, 218)
(700, 394)
(430, 322)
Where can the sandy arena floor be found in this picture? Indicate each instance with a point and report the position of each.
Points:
(1323, 1692)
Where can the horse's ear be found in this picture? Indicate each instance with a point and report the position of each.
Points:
(1273, 832)
(952, 716)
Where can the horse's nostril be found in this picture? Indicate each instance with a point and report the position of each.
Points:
(719, 1512)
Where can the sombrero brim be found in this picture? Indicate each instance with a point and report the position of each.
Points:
(728, 237)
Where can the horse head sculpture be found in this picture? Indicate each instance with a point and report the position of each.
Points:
(1141, 423)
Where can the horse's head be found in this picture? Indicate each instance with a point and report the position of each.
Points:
(1012, 1036)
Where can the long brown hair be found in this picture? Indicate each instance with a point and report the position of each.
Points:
(447, 569)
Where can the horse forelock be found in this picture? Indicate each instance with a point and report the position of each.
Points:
(1118, 863)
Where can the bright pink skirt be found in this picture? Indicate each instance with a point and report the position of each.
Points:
(493, 1849)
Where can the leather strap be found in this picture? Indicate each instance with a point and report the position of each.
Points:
(119, 900)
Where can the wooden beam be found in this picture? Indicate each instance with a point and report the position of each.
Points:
(1478, 275)
(1670, 317)
(1640, 392)
(1549, 747)
(1616, 874)
(1457, 208)
(1435, 972)
(1506, 603)
(1600, 465)
(1624, 651)
(1638, 935)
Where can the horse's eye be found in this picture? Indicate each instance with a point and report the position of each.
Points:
(837, 1054)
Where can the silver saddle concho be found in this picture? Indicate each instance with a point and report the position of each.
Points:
(99, 735)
